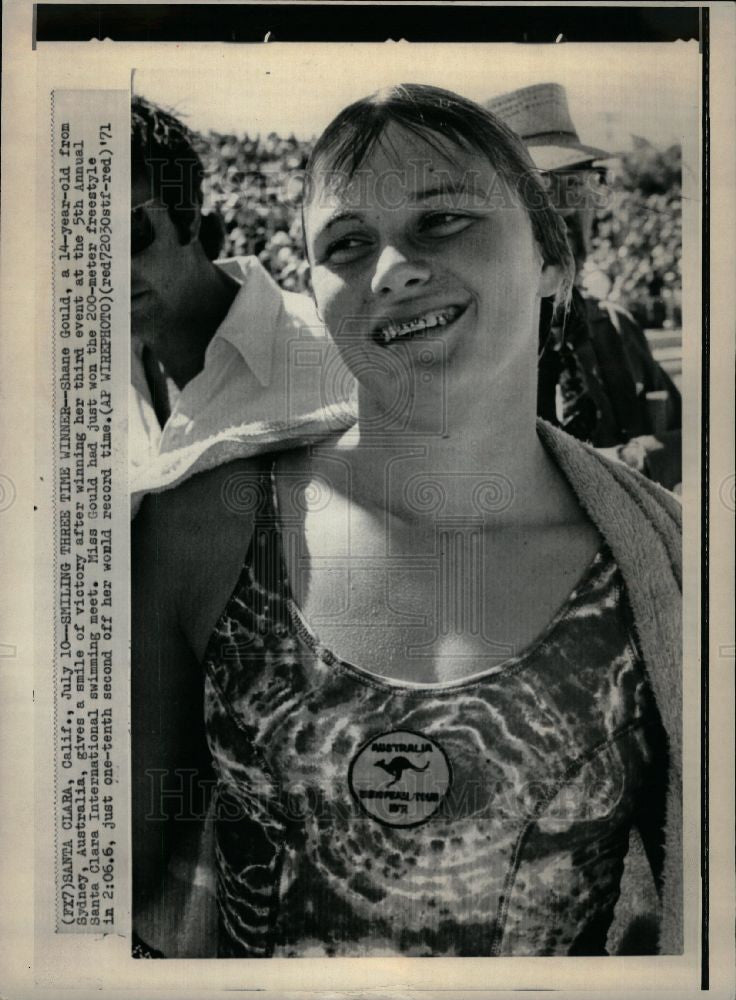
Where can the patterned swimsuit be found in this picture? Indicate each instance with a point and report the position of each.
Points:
(356, 815)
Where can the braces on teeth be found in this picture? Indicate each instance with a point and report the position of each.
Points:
(392, 331)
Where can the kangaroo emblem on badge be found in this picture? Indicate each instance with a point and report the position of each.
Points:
(420, 777)
(397, 766)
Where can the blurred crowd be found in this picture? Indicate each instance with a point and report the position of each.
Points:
(254, 185)
(637, 236)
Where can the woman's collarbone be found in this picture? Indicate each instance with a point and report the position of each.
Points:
(433, 604)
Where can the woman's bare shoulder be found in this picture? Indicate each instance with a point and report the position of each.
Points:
(202, 502)
(190, 544)
(180, 536)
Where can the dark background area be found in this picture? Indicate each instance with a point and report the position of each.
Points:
(362, 23)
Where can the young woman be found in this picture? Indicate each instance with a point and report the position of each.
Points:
(439, 654)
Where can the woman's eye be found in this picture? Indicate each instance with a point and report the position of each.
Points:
(346, 249)
(444, 223)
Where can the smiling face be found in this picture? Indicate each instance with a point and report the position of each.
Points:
(428, 254)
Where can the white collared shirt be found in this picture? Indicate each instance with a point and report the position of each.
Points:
(272, 377)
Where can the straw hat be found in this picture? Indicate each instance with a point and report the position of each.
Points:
(541, 118)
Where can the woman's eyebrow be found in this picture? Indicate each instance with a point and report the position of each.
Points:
(448, 185)
(343, 216)
(443, 185)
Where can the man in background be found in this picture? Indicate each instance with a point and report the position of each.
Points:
(225, 365)
(217, 369)
(597, 377)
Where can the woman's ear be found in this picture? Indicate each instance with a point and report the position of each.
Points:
(550, 280)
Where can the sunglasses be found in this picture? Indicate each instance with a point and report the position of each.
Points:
(142, 231)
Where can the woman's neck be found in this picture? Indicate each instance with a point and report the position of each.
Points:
(490, 463)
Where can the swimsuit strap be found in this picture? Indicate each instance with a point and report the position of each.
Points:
(265, 565)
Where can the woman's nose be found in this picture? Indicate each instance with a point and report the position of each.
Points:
(395, 272)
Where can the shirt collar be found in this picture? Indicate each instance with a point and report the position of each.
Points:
(252, 317)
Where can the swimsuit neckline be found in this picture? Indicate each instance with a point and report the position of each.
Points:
(309, 636)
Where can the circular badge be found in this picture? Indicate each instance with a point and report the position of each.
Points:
(400, 778)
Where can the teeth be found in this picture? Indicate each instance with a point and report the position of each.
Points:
(426, 322)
